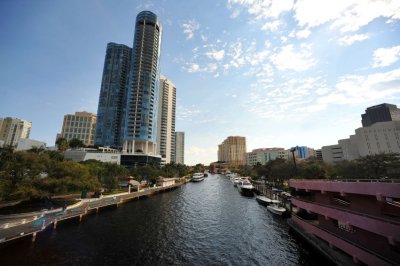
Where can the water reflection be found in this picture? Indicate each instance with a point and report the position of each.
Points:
(205, 223)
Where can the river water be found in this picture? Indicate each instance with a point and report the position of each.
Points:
(205, 223)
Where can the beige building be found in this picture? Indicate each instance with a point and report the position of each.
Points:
(166, 120)
(80, 125)
(265, 155)
(233, 150)
(13, 129)
(179, 156)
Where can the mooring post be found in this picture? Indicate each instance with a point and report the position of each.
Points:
(34, 237)
(80, 217)
(55, 224)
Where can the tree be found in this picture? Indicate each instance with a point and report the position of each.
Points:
(76, 143)
(62, 144)
(379, 165)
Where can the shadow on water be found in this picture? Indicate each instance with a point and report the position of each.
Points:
(205, 223)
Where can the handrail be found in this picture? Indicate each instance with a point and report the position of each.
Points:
(351, 211)
(348, 241)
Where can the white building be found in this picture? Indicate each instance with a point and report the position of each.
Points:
(12, 129)
(179, 156)
(102, 155)
(27, 144)
(265, 155)
(381, 137)
(166, 120)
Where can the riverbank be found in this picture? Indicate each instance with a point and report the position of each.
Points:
(17, 226)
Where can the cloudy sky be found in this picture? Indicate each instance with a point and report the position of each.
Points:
(279, 72)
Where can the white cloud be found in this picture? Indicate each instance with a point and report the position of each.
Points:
(216, 55)
(272, 26)
(189, 28)
(235, 13)
(386, 56)
(187, 112)
(262, 9)
(192, 68)
(350, 39)
(203, 38)
(289, 58)
(302, 34)
(347, 15)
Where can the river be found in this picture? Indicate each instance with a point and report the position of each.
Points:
(205, 223)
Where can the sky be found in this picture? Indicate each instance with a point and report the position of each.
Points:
(281, 73)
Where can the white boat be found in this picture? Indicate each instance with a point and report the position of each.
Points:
(197, 177)
(235, 181)
(276, 209)
(245, 187)
(263, 200)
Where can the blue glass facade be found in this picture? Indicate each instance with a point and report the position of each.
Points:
(143, 86)
(302, 151)
(112, 100)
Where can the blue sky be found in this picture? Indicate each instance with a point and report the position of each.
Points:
(281, 73)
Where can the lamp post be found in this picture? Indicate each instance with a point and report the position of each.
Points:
(292, 150)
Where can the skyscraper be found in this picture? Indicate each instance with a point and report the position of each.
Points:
(380, 113)
(13, 129)
(166, 120)
(112, 100)
(179, 155)
(140, 130)
(233, 150)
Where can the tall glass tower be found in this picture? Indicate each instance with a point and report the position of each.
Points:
(112, 100)
(140, 130)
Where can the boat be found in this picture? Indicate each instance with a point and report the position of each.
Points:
(235, 181)
(276, 209)
(205, 174)
(245, 187)
(263, 200)
(197, 177)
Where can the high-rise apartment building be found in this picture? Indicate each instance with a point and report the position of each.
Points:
(380, 113)
(166, 120)
(233, 151)
(13, 129)
(140, 130)
(112, 100)
(80, 125)
(179, 155)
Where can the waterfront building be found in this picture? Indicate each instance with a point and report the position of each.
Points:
(381, 137)
(318, 155)
(101, 154)
(27, 144)
(112, 99)
(332, 153)
(179, 155)
(80, 125)
(140, 129)
(13, 129)
(380, 113)
(166, 120)
(219, 167)
(265, 155)
(360, 219)
(233, 151)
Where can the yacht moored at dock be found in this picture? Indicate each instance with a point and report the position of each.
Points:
(245, 187)
(197, 177)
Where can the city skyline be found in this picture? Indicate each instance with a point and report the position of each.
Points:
(281, 74)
